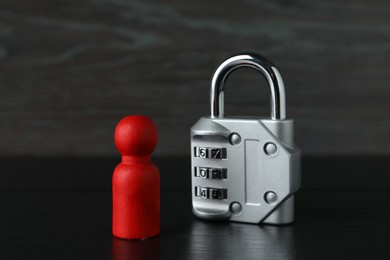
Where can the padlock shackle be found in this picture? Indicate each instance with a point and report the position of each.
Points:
(259, 63)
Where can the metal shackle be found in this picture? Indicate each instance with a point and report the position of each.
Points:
(259, 63)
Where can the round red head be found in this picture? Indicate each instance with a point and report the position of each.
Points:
(136, 135)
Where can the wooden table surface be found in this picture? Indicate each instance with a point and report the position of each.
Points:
(60, 208)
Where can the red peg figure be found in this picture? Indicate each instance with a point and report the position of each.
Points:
(136, 180)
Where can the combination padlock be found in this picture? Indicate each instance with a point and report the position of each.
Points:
(245, 169)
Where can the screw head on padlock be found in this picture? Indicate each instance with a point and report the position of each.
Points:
(256, 158)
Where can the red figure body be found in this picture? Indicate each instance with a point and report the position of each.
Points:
(136, 180)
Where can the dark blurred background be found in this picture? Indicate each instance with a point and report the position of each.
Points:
(70, 70)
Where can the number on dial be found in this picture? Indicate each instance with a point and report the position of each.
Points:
(211, 153)
(210, 173)
(211, 193)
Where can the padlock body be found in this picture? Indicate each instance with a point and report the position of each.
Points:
(244, 170)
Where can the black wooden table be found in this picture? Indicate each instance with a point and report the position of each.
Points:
(60, 208)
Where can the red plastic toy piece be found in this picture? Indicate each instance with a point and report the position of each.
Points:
(136, 180)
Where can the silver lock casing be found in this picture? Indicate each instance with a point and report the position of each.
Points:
(245, 169)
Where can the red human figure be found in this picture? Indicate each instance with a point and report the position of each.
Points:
(136, 180)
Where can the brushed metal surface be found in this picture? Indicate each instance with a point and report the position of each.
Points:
(250, 174)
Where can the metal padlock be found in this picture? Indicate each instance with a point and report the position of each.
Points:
(245, 169)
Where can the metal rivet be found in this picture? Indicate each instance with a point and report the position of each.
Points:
(270, 149)
(235, 208)
(270, 197)
(235, 139)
